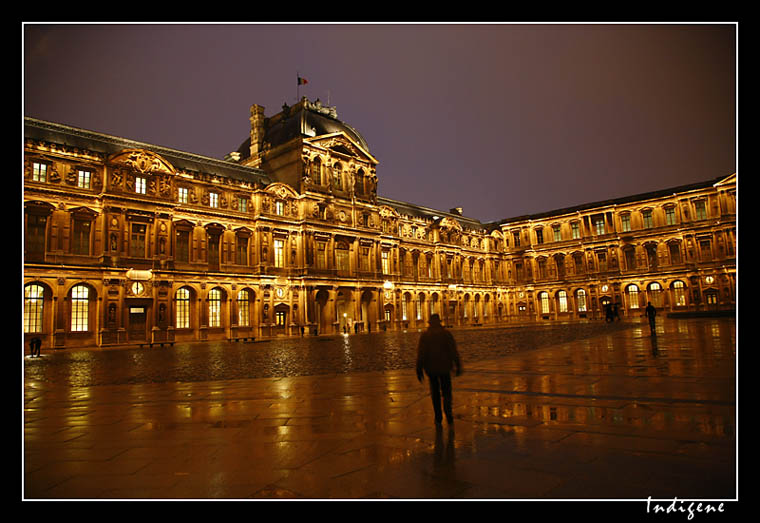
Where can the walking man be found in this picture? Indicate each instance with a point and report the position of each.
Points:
(651, 312)
(437, 355)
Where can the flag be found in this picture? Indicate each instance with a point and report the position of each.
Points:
(302, 81)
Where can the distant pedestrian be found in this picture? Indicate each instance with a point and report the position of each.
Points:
(616, 311)
(651, 312)
(437, 355)
(608, 312)
(35, 344)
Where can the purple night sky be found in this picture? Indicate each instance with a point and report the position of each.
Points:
(500, 119)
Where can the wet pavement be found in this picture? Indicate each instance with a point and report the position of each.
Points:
(571, 411)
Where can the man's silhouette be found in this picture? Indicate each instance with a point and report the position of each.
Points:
(437, 355)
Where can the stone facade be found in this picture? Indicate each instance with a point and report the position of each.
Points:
(131, 243)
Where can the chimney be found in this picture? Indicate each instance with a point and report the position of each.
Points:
(257, 129)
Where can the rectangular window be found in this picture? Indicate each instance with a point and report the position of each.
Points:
(701, 209)
(39, 172)
(280, 317)
(214, 308)
(516, 237)
(80, 309)
(183, 246)
(321, 255)
(539, 236)
(80, 242)
(626, 222)
(670, 216)
(137, 241)
(241, 252)
(675, 253)
(544, 303)
(33, 308)
(244, 309)
(557, 233)
(386, 263)
(562, 301)
(705, 250)
(183, 309)
(242, 204)
(647, 215)
(365, 259)
(279, 208)
(213, 200)
(35, 233)
(341, 260)
(140, 185)
(599, 225)
(83, 179)
(576, 230)
(279, 253)
(182, 195)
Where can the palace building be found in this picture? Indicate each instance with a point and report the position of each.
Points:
(128, 243)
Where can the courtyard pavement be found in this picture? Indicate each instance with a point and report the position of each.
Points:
(621, 415)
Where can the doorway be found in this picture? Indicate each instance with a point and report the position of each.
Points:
(137, 323)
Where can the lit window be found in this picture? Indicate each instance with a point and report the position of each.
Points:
(80, 308)
(562, 301)
(679, 294)
(279, 208)
(182, 194)
(581, 298)
(404, 307)
(140, 185)
(214, 308)
(280, 317)
(544, 297)
(242, 204)
(39, 172)
(599, 225)
(213, 199)
(183, 308)
(279, 253)
(576, 230)
(626, 222)
(557, 233)
(633, 296)
(244, 308)
(386, 263)
(33, 304)
(83, 179)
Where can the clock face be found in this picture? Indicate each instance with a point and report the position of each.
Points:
(137, 288)
(280, 292)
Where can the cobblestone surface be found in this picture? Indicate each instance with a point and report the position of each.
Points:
(289, 357)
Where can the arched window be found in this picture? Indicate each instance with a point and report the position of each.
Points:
(544, 299)
(183, 308)
(80, 308)
(562, 297)
(338, 176)
(215, 307)
(655, 294)
(633, 296)
(679, 294)
(581, 299)
(244, 308)
(33, 307)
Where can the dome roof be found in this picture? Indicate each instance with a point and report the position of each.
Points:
(305, 119)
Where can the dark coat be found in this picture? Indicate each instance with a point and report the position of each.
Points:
(437, 352)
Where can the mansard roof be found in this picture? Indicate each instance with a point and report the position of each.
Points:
(619, 201)
(108, 145)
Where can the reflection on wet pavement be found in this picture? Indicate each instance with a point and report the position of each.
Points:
(584, 411)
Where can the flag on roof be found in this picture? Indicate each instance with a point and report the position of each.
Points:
(302, 81)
